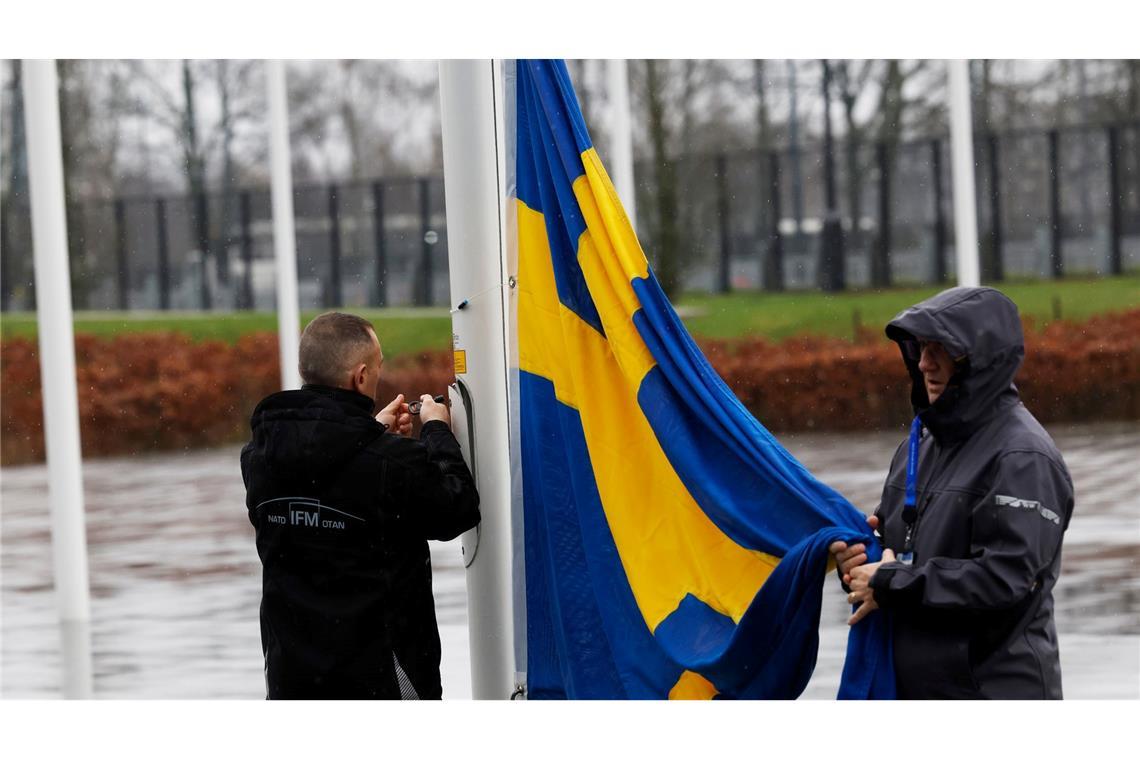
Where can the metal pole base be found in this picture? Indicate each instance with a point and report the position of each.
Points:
(75, 646)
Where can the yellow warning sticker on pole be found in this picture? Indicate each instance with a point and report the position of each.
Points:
(460, 362)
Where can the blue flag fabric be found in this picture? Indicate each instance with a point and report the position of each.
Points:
(673, 547)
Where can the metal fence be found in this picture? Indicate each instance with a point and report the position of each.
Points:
(1050, 204)
(358, 244)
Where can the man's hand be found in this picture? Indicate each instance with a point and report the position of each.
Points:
(861, 591)
(850, 557)
(396, 416)
(430, 410)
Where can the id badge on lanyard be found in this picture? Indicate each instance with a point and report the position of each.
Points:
(906, 556)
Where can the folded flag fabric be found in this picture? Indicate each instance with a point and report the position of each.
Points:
(673, 547)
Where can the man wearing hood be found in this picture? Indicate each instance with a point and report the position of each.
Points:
(972, 515)
(343, 505)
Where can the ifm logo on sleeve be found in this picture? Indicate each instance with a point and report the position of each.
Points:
(1010, 501)
(304, 512)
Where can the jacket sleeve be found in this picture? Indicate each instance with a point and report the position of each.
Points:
(438, 491)
(1016, 531)
(246, 455)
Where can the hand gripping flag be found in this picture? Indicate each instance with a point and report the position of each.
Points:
(673, 547)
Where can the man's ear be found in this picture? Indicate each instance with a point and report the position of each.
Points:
(358, 376)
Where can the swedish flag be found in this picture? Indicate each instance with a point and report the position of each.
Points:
(673, 547)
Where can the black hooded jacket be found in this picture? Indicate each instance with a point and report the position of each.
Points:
(342, 512)
(973, 613)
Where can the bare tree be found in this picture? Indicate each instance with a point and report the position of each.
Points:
(226, 136)
(14, 191)
(852, 78)
(763, 138)
(982, 95)
(346, 110)
(240, 104)
(667, 239)
(763, 115)
(76, 125)
(356, 118)
(194, 158)
(582, 74)
(90, 137)
(15, 156)
(1132, 67)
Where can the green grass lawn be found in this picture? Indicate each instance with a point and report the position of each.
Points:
(779, 315)
(773, 315)
(401, 330)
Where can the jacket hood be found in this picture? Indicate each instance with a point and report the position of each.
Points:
(981, 329)
(313, 431)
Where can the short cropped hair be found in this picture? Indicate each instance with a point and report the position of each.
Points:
(331, 347)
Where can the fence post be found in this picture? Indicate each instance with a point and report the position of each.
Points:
(246, 250)
(78, 259)
(1115, 259)
(163, 255)
(333, 295)
(122, 276)
(381, 244)
(724, 273)
(795, 158)
(881, 257)
(5, 254)
(1056, 260)
(424, 276)
(774, 262)
(995, 270)
(939, 215)
(222, 252)
(202, 227)
(832, 272)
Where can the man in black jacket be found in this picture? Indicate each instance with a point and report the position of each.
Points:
(343, 504)
(972, 515)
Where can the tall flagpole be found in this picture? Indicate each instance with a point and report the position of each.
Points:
(472, 106)
(962, 159)
(57, 374)
(621, 135)
(284, 239)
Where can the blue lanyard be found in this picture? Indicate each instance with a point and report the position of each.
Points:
(910, 503)
(912, 464)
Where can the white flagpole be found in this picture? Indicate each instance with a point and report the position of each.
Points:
(621, 136)
(284, 239)
(57, 373)
(962, 159)
(474, 156)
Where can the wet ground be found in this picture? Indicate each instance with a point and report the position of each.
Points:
(175, 579)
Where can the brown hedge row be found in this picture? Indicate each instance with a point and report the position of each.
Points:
(148, 392)
(1072, 372)
(140, 393)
